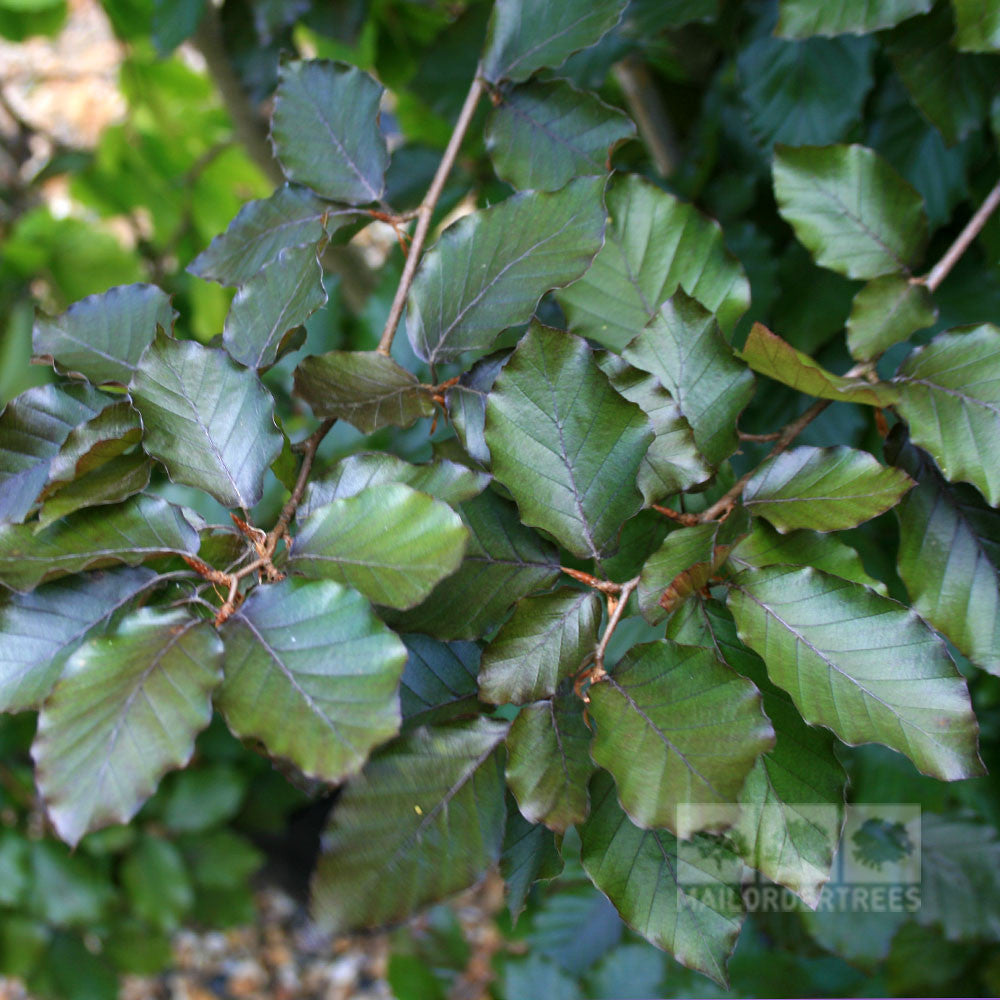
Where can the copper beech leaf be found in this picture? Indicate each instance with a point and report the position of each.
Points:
(313, 674)
(679, 731)
(207, 419)
(489, 269)
(439, 680)
(325, 130)
(654, 245)
(804, 18)
(887, 678)
(95, 754)
(424, 819)
(564, 442)
(365, 388)
(886, 311)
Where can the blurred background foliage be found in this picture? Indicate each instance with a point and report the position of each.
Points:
(132, 132)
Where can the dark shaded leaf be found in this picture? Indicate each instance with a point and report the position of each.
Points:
(448, 481)
(153, 675)
(33, 427)
(824, 489)
(466, 403)
(529, 855)
(850, 209)
(276, 300)
(503, 562)
(564, 442)
(886, 311)
(683, 897)
(325, 130)
(103, 336)
(548, 762)
(949, 559)
(803, 18)
(138, 529)
(390, 542)
(886, 679)
(439, 680)
(38, 630)
(683, 347)
(509, 255)
(544, 642)
(527, 35)
(312, 674)
(210, 421)
(424, 819)
(365, 388)
(769, 355)
(949, 394)
(156, 882)
(291, 217)
(679, 730)
(654, 245)
(542, 135)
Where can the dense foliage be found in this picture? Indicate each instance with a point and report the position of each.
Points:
(604, 561)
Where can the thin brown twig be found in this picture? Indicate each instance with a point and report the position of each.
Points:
(605, 586)
(744, 436)
(674, 515)
(614, 618)
(426, 210)
(972, 229)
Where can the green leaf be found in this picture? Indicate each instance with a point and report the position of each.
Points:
(679, 730)
(683, 348)
(203, 797)
(953, 90)
(429, 809)
(107, 434)
(390, 542)
(564, 442)
(138, 529)
(156, 881)
(221, 859)
(281, 296)
(978, 26)
(654, 245)
(209, 421)
(542, 135)
(447, 481)
(33, 428)
(68, 891)
(688, 558)
(527, 35)
(529, 856)
(503, 562)
(548, 762)
(808, 92)
(365, 388)
(325, 130)
(949, 559)
(791, 808)
(110, 482)
(803, 18)
(824, 489)
(886, 679)
(291, 217)
(466, 404)
(886, 311)
(103, 336)
(544, 642)
(769, 355)
(672, 463)
(439, 680)
(764, 546)
(126, 710)
(509, 255)
(683, 897)
(39, 629)
(949, 394)
(850, 209)
(312, 674)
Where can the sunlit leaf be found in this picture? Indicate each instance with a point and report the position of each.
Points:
(365, 388)
(803, 18)
(424, 819)
(508, 256)
(887, 678)
(311, 673)
(978, 26)
(210, 421)
(126, 710)
(654, 245)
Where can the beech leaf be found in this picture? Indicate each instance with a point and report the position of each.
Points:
(886, 311)
(804, 18)
(439, 680)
